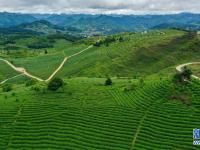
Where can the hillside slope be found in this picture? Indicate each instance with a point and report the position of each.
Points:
(123, 55)
(129, 56)
(148, 117)
(14, 19)
(42, 26)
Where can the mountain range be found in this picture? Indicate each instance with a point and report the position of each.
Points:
(87, 24)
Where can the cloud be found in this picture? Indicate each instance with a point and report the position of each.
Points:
(100, 6)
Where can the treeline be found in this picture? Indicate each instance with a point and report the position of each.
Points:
(40, 45)
(67, 37)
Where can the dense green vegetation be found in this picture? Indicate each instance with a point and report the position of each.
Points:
(120, 93)
(129, 57)
(118, 55)
(89, 115)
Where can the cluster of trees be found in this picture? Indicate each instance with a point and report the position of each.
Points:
(183, 76)
(108, 40)
(55, 84)
(11, 47)
(67, 37)
(194, 46)
(7, 41)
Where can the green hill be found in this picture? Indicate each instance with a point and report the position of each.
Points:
(161, 50)
(42, 26)
(156, 52)
(142, 109)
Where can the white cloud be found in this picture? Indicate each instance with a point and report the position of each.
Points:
(100, 6)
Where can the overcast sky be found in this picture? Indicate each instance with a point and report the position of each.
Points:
(101, 6)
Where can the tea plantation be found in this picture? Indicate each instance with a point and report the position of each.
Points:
(88, 115)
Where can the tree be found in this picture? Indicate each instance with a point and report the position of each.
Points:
(187, 73)
(121, 39)
(108, 82)
(45, 51)
(55, 84)
(97, 44)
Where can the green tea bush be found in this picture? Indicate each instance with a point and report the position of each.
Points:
(30, 83)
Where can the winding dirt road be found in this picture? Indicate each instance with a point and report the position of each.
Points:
(23, 71)
(2, 82)
(180, 68)
(63, 62)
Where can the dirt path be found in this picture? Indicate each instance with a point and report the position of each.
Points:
(58, 69)
(138, 130)
(63, 62)
(180, 67)
(2, 82)
(23, 71)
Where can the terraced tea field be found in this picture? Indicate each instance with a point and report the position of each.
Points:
(6, 72)
(127, 58)
(88, 115)
(43, 66)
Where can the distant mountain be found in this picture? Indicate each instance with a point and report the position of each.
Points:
(109, 24)
(14, 19)
(100, 24)
(41, 26)
(67, 20)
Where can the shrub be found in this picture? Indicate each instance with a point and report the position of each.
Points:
(141, 82)
(45, 52)
(36, 88)
(40, 45)
(108, 82)
(97, 44)
(121, 39)
(7, 88)
(130, 87)
(55, 84)
(13, 94)
(30, 83)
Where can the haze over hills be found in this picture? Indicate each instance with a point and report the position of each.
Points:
(103, 24)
